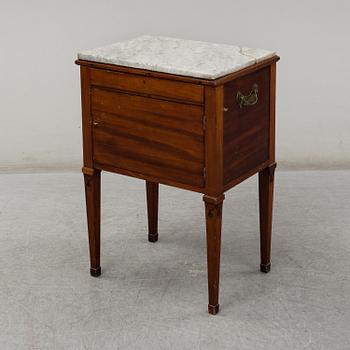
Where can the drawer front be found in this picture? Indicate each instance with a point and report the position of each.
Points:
(246, 128)
(148, 136)
(168, 89)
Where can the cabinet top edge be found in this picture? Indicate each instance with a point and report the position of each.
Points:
(187, 79)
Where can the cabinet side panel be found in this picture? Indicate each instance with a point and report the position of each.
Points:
(246, 128)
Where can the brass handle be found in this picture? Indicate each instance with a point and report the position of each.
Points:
(249, 100)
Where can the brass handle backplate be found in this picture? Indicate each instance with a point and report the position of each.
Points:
(249, 100)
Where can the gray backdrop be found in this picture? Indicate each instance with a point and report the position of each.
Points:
(40, 103)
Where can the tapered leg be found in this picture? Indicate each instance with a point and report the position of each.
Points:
(92, 179)
(213, 215)
(152, 192)
(266, 185)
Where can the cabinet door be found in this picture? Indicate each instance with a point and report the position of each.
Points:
(147, 136)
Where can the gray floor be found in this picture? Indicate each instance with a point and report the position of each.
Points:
(154, 296)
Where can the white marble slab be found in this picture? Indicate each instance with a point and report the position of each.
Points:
(177, 56)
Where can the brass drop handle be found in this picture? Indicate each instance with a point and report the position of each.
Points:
(249, 100)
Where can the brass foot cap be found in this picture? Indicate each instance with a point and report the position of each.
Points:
(265, 268)
(153, 237)
(95, 272)
(213, 309)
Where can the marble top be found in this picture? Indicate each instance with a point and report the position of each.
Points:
(177, 56)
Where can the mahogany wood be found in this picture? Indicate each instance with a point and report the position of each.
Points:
(152, 178)
(266, 185)
(92, 179)
(152, 87)
(154, 137)
(246, 130)
(272, 101)
(184, 132)
(86, 116)
(246, 175)
(214, 141)
(213, 198)
(213, 219)
(152, 192)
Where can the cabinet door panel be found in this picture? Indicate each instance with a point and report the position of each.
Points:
(148, 136)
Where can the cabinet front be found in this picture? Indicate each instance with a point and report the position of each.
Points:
(147, 136)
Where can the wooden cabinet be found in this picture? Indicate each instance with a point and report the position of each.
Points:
(204, 135)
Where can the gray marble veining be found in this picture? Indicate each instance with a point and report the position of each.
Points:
(177, 56)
